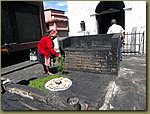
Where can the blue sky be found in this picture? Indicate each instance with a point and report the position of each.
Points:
(60, 5)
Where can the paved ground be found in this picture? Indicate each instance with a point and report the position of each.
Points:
(127, 91)
(131, 94)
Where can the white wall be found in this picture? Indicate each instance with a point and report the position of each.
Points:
(80, 11)
(135, 16)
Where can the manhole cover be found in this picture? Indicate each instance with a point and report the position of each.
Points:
(58, 84)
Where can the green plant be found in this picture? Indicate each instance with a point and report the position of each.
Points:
(60, 67)
(40, 82)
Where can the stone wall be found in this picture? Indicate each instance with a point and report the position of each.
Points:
(93, 53)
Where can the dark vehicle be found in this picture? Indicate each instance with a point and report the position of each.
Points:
(22, 26)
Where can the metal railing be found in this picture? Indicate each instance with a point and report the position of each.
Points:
(135, 44)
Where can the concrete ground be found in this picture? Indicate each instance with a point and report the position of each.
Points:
(127, 91)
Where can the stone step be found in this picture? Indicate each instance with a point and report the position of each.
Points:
(13, 68)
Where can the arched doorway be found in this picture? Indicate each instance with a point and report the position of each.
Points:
(107, 10)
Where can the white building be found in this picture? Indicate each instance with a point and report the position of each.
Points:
(97, 15)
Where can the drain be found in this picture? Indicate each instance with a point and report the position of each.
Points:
(73, 103)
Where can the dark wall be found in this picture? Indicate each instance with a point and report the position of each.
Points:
(94, 53)
(104, 21)
(21, 22)
(108, 10)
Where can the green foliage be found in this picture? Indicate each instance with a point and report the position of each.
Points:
(40, 82)
(60, 67)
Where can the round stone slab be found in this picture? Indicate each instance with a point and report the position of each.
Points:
(58, 84)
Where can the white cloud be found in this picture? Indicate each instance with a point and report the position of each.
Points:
(61, 4)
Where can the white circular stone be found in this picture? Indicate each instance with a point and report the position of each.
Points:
(53, 84)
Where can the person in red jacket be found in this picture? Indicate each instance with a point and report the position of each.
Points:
(46, 50)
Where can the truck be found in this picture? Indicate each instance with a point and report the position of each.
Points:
(22, 25)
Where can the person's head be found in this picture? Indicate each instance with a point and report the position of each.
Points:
(53, 34)
(113, 21)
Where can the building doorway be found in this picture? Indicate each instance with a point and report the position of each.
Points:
(107, 10)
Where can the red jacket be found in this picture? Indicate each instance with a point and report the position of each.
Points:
(46, 47)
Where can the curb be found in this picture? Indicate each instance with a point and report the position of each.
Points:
(25, 91)
(49, 98)
(37, 95)
(13, 68)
